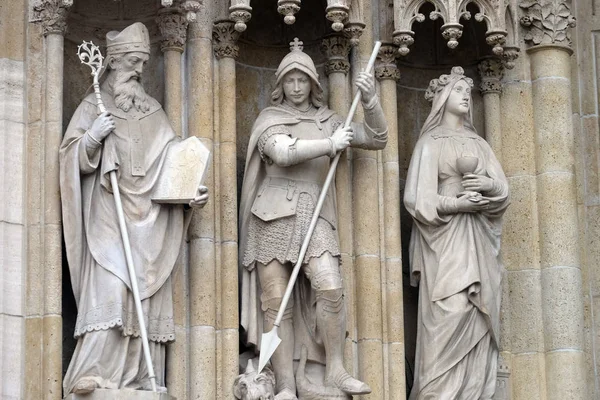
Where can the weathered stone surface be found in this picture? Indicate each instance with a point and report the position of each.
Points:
(526, 321)
(562, 299)
(12, 90)
(123, 394)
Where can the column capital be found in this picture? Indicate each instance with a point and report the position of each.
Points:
(547, 22)
(336, 48)
(52, 14)
(491, 71)
(172, 24)
(386, 68)
(225, 38)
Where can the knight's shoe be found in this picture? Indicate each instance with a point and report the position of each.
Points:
(286, 394)
(85, 386)
(348, 384)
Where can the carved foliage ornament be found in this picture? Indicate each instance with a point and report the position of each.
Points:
(452, 12)
(225, 37)
(547, 21)
(386, 63)
(53, 15)
(336, 48)
(491, 71)
(173, 28)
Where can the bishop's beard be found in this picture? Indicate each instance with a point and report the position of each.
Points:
(128, 92)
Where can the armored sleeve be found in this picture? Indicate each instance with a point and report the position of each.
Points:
(277, 146)
(373, 133)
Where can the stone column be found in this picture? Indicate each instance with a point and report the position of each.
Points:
(14, 202)
(53, 15)
(226, 51)
(387, 73)
(336, 48)
(172, 24)
(561, 280)
(562, 295)
(522, 325)
(490, 71)
(202, 264)
(173, 29)
(365, 211)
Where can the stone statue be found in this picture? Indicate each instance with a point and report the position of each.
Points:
(132, 137)
(456, 193)
(252, 385)
(288, 157)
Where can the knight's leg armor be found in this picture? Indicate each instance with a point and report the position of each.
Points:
(326, 280)
(274, 279)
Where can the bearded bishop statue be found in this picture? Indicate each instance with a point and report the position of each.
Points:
(132, 138)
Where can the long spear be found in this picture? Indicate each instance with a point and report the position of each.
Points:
(90, 55)
(271, 340)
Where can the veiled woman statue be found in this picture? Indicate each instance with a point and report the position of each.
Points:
(456, 193)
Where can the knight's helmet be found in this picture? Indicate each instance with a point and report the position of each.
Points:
(297, 59)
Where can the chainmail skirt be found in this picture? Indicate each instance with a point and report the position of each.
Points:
(282, 238)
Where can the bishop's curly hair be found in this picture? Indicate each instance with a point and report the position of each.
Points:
(437, 85)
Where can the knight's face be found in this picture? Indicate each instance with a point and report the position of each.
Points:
(296, 87)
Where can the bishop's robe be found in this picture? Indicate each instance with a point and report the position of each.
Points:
(106, 318)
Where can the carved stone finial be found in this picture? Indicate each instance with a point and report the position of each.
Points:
(452, 32)
(386, 63)
(354, 30)
(404, 39)
(497, 39)
(173, 29)
(337, 13)
(547, 21)
(491, 71)
(288, 8)
(510, 54)
(336, 48)
(240, 14)
(53, 15)
(225, 37)
(191, 7)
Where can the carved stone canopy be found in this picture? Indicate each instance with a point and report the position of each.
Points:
(451, 12)
(345, 15)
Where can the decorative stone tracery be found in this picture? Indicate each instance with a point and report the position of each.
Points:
(452, 12)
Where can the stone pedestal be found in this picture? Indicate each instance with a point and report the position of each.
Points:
(123, 394)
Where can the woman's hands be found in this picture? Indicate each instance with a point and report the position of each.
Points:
(477, 183)
(470, 202)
